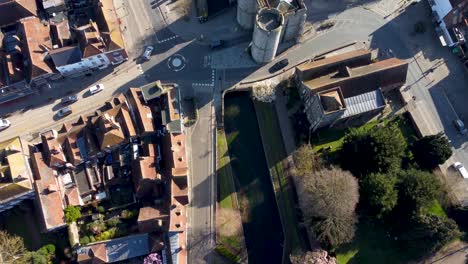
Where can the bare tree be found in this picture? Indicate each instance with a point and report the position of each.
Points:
(264, 91)
(306, 160)
(328, 200)
(12, 248)
(317, 256)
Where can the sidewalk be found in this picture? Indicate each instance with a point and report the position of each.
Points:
(223, 26)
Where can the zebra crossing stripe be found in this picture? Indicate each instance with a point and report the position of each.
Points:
(168, 39)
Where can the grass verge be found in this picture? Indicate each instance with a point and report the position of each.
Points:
(333, 138)
(226, 184)
(229, 235)
(371, 245)
(275, 154)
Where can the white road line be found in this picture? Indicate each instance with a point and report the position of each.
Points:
(168, 39)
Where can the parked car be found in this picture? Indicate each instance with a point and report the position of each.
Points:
(4, 124)
(461, 169)
(69, 99)
(279, 65)
(216, 44)
(147, 53)
(96, 88)
(460, 126)
(64, 112)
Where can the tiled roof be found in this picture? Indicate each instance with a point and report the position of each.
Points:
(37, 42)
(177, 219)
(9, 191)
(73, 197)
(65, 56)
(143, 112)
(53, 152)
(146, 168)
(333, 59)
(50, 201)
(110, 26)
(178, 155)
(90, 41)
(115, 250)
(13, 10)
(179, 192)
(150, 212)
(355, 81)
(15, 167)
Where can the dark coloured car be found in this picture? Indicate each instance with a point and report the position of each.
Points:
(64, 112)
(69, 99)
(216, 44)
(279, 65)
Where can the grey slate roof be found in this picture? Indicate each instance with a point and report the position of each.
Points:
(363, 103)
(127, 247)
(174, 246)
(65, 56)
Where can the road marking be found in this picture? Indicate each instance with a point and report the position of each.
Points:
(168, 39)
(206, 61)
(176, 62)
(212, 84)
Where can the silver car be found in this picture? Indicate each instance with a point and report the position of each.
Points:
(4, 124)
(147, 54)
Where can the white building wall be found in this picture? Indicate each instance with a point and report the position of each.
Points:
(99, 61)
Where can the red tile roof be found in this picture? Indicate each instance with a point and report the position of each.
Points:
(50, 201)
(178, 155)
(143, 112)
(73, 197)
(14, 10)
(37, 42)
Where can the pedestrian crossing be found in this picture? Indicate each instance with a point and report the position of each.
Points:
(201, 85)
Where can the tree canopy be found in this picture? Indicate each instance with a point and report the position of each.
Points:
(379, 194)
(72, 213)
(418, 189)
(328, 201)
(431, 151)
(429, 233)
(379, 149)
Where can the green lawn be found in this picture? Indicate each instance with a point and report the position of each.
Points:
(333, 138)
(436, 209)
(225, 183)
(275, 154)
(371, 245)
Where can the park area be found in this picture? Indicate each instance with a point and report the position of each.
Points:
(257, 202)
(374, 242)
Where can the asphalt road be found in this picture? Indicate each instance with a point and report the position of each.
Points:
(175, 60)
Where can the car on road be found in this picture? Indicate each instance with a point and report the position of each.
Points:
(69, 99)
(460, 126)
(4, 124)
(216, 44)
(147, 53)
(461, 169)
(96, 88)
(279, 65)
(64, 112)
